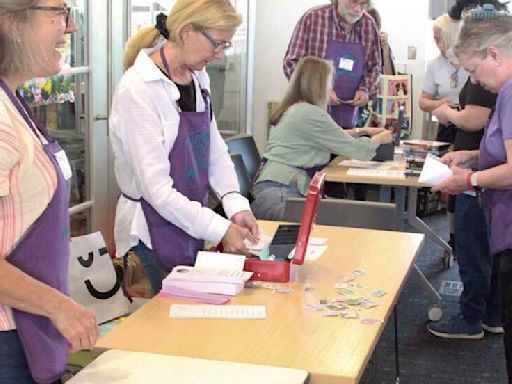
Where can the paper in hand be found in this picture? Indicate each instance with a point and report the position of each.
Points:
(434, 171)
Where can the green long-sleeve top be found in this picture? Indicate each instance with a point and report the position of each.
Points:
(305, 137)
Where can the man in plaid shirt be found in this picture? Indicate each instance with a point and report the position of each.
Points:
(343, 32)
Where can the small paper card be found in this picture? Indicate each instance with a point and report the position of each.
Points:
(186, 311)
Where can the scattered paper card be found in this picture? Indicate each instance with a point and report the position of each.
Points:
(391, 173)
(185, 311)
(434, 171)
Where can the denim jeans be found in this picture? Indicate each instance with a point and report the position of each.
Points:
(270, 199)
(13, 364)
(506, 305)
(479, 272)
(148, 259)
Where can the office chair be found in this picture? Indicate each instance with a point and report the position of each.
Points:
(243, 180)
(348, 213)
(246, 147)
(242, 175)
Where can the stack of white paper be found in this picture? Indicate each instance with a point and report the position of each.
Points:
(213, 273)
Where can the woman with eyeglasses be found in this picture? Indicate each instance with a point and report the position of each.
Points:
(167, 148)
(39, 323)
(484, 48)
(444, 77)
(479, 303)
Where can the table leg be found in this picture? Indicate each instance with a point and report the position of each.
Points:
(419, 224)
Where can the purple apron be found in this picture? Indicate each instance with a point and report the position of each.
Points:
(43, 253)
(348, 60)
(189, 159)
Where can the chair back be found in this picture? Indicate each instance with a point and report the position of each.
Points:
(241, 173)
(347, 213)
(246, 147)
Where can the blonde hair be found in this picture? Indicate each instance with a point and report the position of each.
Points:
(476, 35)
(218, 14)
(16, 53)
(310, 83)
(449, 30)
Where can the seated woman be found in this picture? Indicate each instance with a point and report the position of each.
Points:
(302, 137)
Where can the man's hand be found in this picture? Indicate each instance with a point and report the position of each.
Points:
(360, 98)
(333, 98)
(442, 113)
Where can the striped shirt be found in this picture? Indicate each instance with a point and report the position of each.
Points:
(322, 24)
(28, 181)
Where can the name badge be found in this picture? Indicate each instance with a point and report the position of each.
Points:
(346, 64)
(62, 159)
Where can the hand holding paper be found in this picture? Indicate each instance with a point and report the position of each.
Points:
(434, 171)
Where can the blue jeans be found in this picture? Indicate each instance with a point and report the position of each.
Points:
(13, 364)
(479, 271)
(506, 294)
(270, 199)
(148, 259)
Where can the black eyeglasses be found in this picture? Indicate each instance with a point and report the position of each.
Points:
(217, 45)
(454, 79)
(63, 11)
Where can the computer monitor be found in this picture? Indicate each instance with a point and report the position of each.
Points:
(386, 152)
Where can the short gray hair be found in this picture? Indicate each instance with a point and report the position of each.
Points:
(15, 52)
(476, 35)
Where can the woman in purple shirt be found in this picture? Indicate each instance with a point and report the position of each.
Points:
(484, 48)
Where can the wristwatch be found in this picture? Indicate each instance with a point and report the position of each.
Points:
(474, 179)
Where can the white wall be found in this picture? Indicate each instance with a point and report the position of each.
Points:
(406, 22)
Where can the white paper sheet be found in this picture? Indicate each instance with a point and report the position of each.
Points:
(434, 171)
(351, 163)
(215, 260)
(186, 311)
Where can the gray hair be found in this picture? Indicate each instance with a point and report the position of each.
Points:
(476, 35)
(15, 51)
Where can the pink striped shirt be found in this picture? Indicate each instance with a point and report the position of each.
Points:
(322, 24)
(27, 183)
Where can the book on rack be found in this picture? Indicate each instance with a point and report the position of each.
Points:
(207, 280)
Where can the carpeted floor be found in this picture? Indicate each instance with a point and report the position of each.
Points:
(425, 358)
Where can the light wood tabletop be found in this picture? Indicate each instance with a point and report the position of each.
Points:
(336, 173)
(332, 350)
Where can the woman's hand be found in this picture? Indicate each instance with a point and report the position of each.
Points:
(383, 137)
(233, 240)
(371, 131)
(247, 220)
(454, 184)
(462, 159)
(76, 323)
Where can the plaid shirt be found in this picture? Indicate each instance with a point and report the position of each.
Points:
(322, 24)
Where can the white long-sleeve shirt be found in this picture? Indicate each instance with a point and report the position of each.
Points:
(144, 123)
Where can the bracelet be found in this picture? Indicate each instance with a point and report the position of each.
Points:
(357, 131)
(468, 181)
(229, 193)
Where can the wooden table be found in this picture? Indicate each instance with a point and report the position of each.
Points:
(404, 213)
(336, 173)
(332, 350)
